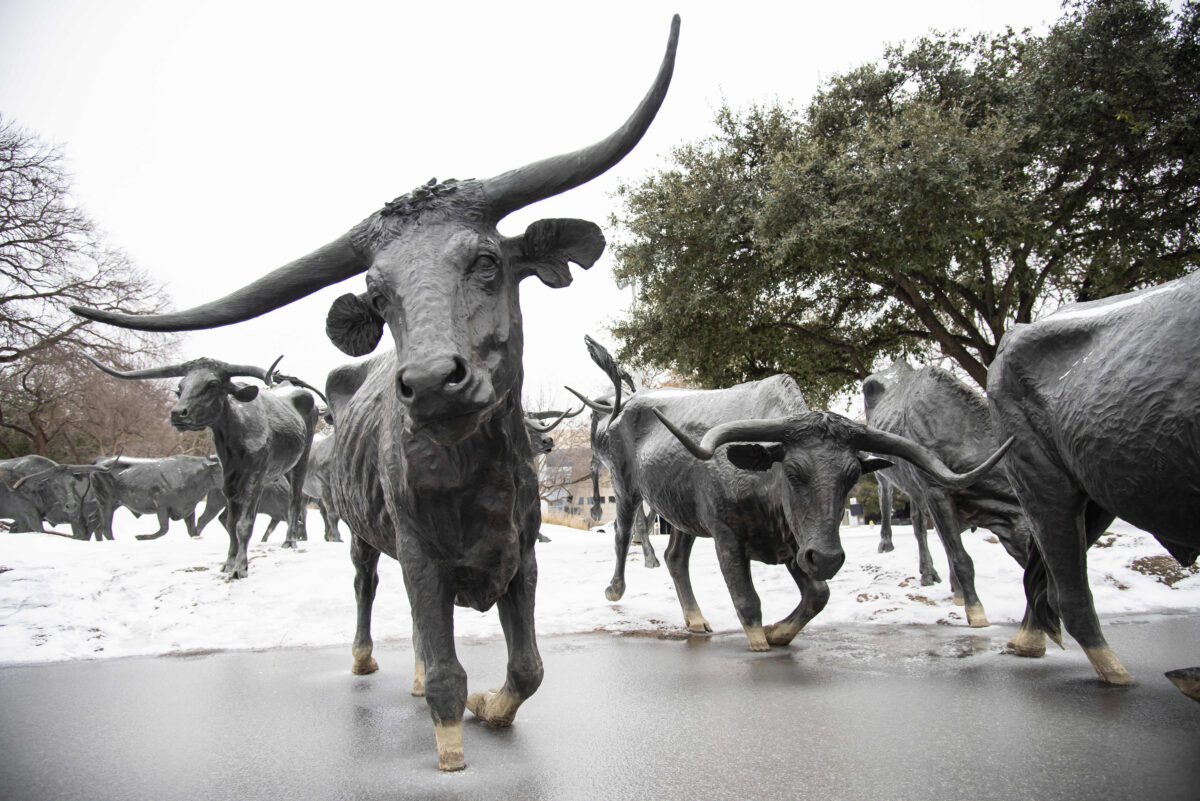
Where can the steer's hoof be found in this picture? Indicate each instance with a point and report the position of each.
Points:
(780, 634)
(289, 543)
(885, 547)
(1187, 680)
(1108, 667)
(363, 667)
(449, 746)
(1027, 642)
(757, 638)
(976, 618)
(652, 561)
(493, 707)
(699, 626)
(615, 590)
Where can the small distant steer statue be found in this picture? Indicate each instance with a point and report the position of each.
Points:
(775, 495)
(258, 436)
(432, 462)
(934, 408)
(168, 488)
(35, 489)
(318, 485)
(1103, 400)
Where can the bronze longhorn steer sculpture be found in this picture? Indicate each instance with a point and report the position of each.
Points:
(736, 495)
(258, 436)
(934, 408)
(37, 489)
(1102, 400)
(432, 461)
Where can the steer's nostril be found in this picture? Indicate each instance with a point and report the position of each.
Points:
(459, 374)
(405, 390)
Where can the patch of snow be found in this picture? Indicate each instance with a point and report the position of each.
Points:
(62, 599)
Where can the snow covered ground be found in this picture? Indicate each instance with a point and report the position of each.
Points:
(62, 599)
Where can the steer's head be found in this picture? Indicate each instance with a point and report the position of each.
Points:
(442, 278)
(819, 460)
(205, 388)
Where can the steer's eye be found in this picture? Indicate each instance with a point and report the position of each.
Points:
(486, 267)
(213, 384)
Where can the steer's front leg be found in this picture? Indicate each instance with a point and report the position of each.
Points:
(366, 581)
(445, 680)
(524, 674)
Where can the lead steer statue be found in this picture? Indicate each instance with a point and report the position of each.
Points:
(1103, 400)
(433, 465)
(775, 495)
(258, 436)
(934, 408)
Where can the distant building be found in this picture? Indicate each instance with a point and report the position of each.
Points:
(565, 477)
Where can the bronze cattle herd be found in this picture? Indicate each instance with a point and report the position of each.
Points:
(1090, 413)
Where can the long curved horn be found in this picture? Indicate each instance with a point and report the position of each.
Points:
(328, 265)
(169, 371)
(38, 474)
(876, 441)
(546, 429)
(595, 406)
(269, 377)
(548, 415)
(518, 188)
(760, 430)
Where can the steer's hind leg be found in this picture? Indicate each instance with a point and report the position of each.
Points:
(641, 525)
(330, 518)
(813, 597)
(962, 568)
(297, 529)
(524, 673)
(1063, 527)
(885, 514)
(627, 505)
(678, 555)
(366, 581)
(164, 522)
(929, 574)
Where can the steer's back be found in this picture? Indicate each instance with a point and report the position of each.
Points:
(930, 406)
(1109, 390)
(691, 493)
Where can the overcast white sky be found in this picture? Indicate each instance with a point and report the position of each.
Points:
(215, 140)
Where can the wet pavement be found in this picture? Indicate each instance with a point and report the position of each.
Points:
(873, 713)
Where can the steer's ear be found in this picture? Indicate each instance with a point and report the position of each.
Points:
(353, 326)
(548, 247)
(870, 464)
(754, 456)
(244, 392)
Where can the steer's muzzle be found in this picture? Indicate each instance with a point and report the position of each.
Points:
(443, 396)
(181, 420)
(821, 565)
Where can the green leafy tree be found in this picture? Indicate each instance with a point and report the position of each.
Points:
(924, 204)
